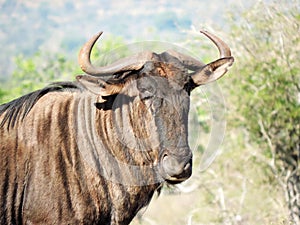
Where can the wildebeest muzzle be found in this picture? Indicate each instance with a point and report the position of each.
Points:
(176, 168)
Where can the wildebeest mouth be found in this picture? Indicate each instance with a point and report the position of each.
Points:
(175, 170)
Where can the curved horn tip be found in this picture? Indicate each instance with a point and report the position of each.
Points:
(96, 37)
(85, 52)
(206, 33)
(93, 40)
(203, 31)
(99, 34)
(222, 46)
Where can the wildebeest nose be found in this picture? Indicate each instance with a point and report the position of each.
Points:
(177, 168)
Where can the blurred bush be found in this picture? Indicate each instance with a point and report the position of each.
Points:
(264, 91)
(43, 68)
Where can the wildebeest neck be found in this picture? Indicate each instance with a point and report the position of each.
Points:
(20, 107)
(101, 142)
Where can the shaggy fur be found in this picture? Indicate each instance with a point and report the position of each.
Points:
(62, 160)
(95, 151)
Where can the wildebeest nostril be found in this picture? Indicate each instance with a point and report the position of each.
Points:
(187, 166)
(177, 167)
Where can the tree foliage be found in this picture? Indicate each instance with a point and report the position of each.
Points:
(2, 94)
(43, 68)
(265, 89)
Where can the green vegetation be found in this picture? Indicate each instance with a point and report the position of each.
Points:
(256, 180)
(2, 94)
(35, 72)
(265, 91)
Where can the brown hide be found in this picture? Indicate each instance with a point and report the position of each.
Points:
(94, 151)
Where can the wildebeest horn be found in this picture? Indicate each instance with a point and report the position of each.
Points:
(130, 63)
(194, 64)
(203, 73)
(217, 68)
(221, 45)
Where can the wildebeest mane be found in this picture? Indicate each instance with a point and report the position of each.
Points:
(20, 107)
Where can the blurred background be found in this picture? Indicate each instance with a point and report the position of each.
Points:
(255, 178)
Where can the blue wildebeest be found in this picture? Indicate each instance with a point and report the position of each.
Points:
(94, 151)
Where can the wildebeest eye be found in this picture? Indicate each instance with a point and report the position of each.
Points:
(157, 102)
(146, 94)
(147, 88)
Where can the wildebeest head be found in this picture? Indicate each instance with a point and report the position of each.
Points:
(156, 89)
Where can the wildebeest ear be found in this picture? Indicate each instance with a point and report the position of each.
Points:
(99, 86)
(212, 71)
